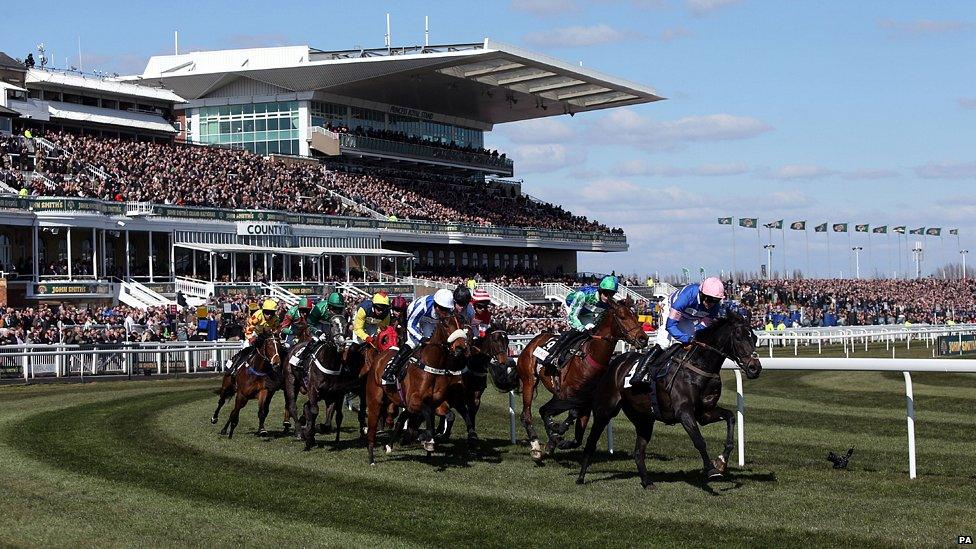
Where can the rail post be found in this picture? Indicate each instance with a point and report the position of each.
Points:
(511, 416)
(910, 413)
(610, 437)
(740, 420)
(24, 363)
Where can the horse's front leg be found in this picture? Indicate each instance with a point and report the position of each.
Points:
(311, 412)
(690, 424)
(264, 404)
(719, 414)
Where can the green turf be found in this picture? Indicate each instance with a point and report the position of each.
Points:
(138, 463)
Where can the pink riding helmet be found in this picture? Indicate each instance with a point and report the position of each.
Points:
(713, 287)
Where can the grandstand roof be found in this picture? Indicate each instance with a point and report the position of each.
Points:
(63, 79)
(490, 82)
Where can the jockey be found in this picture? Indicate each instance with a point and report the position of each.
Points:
(684, 313)
(481, 320)
(296, 320)
(263, 322)
(462, 303)
(422, 317)
(319, 322)
(372, 315)
(585, 309)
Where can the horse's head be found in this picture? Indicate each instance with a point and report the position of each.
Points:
(269, 350)
(624, 324)
(733, 335)
(452, 335)
(495, 345)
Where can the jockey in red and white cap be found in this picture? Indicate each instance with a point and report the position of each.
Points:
(481, 320)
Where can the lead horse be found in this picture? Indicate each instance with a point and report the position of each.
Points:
(258, 376)
(572, 386)
(688, 391)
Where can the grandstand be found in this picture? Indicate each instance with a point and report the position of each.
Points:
(282, 171)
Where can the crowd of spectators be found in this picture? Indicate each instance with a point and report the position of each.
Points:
(403, 137)
(189, 175)
(84, 325)
(849, 302)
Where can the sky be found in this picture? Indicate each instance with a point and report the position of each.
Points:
(858, 112)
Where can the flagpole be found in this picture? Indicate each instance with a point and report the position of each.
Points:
(870, 254)
(827, 236)
(759, 246)
(782, 230)
(850, 257)
(733, 251)
(888, 246)
(806, 235)
(942, 251)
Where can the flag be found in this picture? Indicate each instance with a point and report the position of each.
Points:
(883, 229)
(899, 229)
(685, 271)
(725, 221)
(954, 232)
(934, 231)
(861, 228)
(920, 230)
(799, 225)
(774, 225)
(748, 222)
(821, 228)
(840, 227)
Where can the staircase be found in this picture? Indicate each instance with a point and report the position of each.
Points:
(139, 296)
(637, 297)
(195, 291)
(351, 289)
(533, 294)
(424, 282)
(556, 291)
(501, 296)
(97, 172)
(280, 294)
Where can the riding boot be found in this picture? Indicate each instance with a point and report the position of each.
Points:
(644, 367)
(394, 367)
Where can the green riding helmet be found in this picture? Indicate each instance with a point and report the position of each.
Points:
(609, 284)
(304, 304)
(335, 300)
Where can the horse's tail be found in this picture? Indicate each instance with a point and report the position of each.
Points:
(504, 376)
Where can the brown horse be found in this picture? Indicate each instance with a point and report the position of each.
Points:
(258, 376)
(433, 371)
(296, 374)
(571, 385)
(329, 379)
(489, 354)
(688, 396)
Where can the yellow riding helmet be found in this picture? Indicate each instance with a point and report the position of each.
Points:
(252, 306)
(381, 299)
(270, 305)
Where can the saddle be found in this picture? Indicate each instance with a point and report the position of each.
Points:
(554, 359)
(661, 367)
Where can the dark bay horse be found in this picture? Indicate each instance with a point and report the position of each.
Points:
(329, 379)
(572, 386)
(258, 376)
(432, 373)
(488, 354)
(296, 375)
(688, 396)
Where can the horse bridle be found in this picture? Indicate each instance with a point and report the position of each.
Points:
(628, 334)
(723, 354)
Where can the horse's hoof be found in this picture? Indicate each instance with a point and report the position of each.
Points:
(713, 474)
(473, 437)
(441, 438)
(650, 486)
(429, 446)
(580, 480)
(389, 449)
(372, 463)
(567, 444)
(213, 420)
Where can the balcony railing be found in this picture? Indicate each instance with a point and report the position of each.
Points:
(95, 206)
(425, 152)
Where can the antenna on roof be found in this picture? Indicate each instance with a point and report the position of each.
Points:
(81, 67)
(176, 42)
(386, 38)
(426, 31)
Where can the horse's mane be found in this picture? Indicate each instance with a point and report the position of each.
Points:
(713, 330)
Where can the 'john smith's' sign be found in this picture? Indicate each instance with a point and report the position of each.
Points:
(263, 228)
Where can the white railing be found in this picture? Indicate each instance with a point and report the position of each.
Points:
(280, 294)
(137, 209)
(501, 296)
(137, 295)
(120, 359)
(426, 282)
(194, 288)
(636, 297)
(556, 291)
(663, 289)
(349, 287)
(854, 337)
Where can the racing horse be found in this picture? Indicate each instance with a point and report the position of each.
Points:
(572, 386)
(489, 354)
(296, 375)
(259, 375)
(433, 371)
(688, 388)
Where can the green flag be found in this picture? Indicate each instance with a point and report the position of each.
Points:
(883, 229)
(899, 229)
(920, 230)
(799, 225)
(861, 228)
(774, 225)
(840, 227)
(685, 271)
(725, 221)
(954, 232)
(821, 228)
(934, 231)
(748, 222)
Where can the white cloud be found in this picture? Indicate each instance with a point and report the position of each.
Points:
(577, 36)
(674, 33)
(799, 171)
(870, 173)
(922, 27)
(608, 190)
(626, 126)
(640, 167)
(704, 7)
(545, 157)
(947, 170)
(544, 8)
(539, 130)
(967, 103)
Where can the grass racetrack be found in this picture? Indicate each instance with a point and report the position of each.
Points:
(138, 463)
